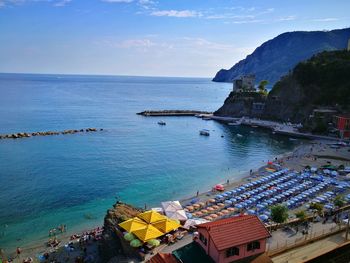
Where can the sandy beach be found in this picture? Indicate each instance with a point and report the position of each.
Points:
(313, 153)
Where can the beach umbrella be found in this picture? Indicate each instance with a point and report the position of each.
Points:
(194, 222)
(199, 213)
(260, 206)
(225, 211)
(251, 212)
(220, 205)
(178, 215)
(204, 211)
(215, 207)
(166, 225)
(151, 216)
(136, 243)
(171, 206)
(233, 200)
(196, 206)
(211, 200)
(230, 209)
(210, 208)
(153, 242)
(202, 204)
(209, 218)
(219, 196)
(213, 215)
(133, 224)
(239, 206)
(190, 207)
(129, 237)
(228, 202)
(150, 232)
(220, 213)
(189, 215)
(264, 217)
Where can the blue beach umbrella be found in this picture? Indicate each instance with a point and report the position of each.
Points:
(251, 212)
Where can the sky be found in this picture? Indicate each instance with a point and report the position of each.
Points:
(189, 38)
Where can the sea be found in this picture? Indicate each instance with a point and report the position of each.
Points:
(73, 179)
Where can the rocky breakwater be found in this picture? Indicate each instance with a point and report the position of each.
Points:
(113, 245)
(45, 133)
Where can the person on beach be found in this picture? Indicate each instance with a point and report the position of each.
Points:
(197, 193)
(228, 182)
(18, 251)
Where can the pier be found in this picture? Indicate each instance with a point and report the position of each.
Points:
(173, 113)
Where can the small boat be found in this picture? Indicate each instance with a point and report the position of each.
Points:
(239, 135)
(206, 118)
(161, 122)
(204, 132)
(236, 122)
(254, 126)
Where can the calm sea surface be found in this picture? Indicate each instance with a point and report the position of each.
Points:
(74, 179)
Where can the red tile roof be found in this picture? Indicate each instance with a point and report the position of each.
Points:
(235, 231)
(163, 258)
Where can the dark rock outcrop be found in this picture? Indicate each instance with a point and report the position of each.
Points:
(113, 244)
(276, 57)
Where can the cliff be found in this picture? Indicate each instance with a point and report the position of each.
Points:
(321, 81)
(278, 56)
(113, 247)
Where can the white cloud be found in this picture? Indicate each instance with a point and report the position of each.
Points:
(286, 18)
(62, 3)
(177, 13)
(328, 19)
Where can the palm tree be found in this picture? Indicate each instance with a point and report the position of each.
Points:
(279, 214)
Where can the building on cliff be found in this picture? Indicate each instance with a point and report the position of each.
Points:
(244, 83)
(343, 125)
(233, 239)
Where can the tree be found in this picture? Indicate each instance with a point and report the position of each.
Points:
(339, 201)
(318, 207)
(279, 214)
(301, 215)
(262, 87)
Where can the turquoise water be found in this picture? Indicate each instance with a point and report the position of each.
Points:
(74, 179)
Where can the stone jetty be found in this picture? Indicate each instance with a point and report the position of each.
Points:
(46, 133)
(172, 112)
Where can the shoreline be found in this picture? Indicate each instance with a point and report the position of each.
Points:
(297, 159)
(38, 246)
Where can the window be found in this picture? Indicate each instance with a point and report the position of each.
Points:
(203, 239)
(253, 245)
(232, 251)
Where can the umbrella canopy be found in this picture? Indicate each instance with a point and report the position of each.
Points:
(154, 242)
(133, 224)
(150, 232)
(166, 225)
(136, 243)
(129, 237)
(171, 206)
(179, 215)
(194, 222)
(151, 216)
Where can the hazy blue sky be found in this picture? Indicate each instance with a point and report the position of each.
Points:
(150, 37)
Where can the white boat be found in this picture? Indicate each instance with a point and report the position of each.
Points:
(239, 135)
(161, 122)
(204, 132)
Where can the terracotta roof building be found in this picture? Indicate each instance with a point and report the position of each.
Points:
(234, 238)
(163, 258)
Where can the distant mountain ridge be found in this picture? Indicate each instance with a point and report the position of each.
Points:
(278, 56)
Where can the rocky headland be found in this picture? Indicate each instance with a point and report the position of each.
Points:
(322, 81)
(276, 57)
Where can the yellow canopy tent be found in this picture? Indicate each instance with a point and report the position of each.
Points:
(166, 225)
(133, 224)
(150, 232)
(151, 216)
